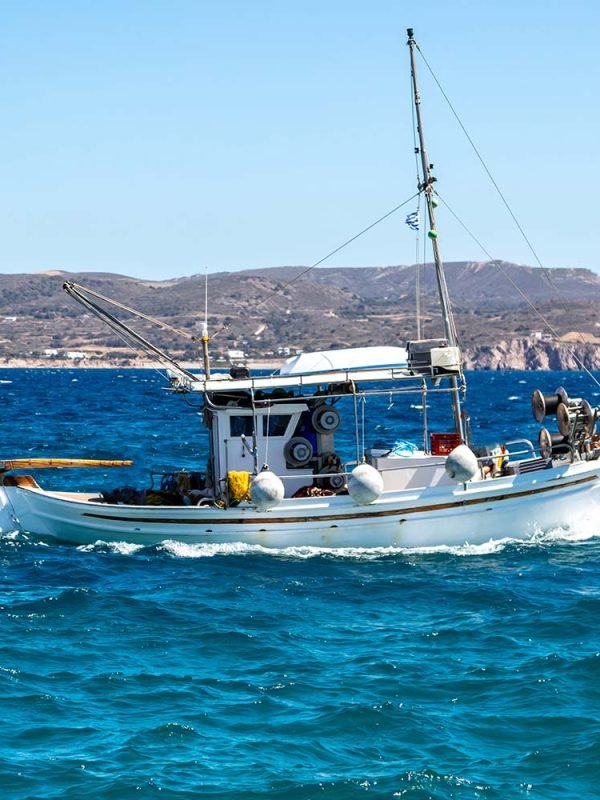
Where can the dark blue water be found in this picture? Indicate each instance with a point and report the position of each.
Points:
(190, 672)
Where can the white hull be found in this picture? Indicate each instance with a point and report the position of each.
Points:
(516, 506)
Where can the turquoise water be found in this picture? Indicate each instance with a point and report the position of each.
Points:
(184, 671)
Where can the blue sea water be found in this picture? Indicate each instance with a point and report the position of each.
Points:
(183, 671)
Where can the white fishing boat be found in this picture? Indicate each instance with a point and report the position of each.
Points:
(274, 475)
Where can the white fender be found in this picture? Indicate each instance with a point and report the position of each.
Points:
(365, 484)
(461, 464)
(266, 490)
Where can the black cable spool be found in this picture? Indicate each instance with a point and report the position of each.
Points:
(575, 419)
(565, 419)
(547, 404)
(590, 416)
(298, 451)
(326, 419)
(552, 443)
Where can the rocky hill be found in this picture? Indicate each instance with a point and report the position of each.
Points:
(261, 311)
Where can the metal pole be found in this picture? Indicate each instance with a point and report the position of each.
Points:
(205, 356)
(205, 339)
(427, 188)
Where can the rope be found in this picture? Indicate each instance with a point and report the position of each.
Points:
(356, 432)
(363, 402)
(267, 437)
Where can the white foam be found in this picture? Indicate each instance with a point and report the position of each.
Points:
(493, 546)
(183, 550)
(121, 548)
(17, 537)
(187, 550)
(486, 548)
(583, 533)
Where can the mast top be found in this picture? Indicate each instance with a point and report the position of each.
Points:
(426, 187)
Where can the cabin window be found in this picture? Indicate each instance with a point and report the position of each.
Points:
(241, 426)
(276, 424)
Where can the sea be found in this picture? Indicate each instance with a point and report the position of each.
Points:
(199, 671)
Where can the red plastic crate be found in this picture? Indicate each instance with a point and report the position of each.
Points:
(444, 443)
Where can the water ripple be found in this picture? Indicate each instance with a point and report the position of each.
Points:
(186, 671)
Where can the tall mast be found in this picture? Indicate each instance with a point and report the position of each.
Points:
(426, 186)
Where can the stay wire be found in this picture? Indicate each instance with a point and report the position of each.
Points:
(160, 323)
(77, 291)
(511, 280)
(481, 159)
(318, 263)
(545, 270)
(130, 337)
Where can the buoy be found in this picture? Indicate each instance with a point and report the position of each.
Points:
(266, 490)
(461, 464)
(365, 484)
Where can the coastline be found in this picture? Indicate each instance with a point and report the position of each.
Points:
(523, 354)
(63, 363)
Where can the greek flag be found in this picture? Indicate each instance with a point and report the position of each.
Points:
(412, 220)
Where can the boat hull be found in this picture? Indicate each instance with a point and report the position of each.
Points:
(515, 506)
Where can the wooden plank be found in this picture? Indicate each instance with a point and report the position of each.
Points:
(40, 463)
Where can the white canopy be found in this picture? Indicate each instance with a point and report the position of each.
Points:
(349, 359)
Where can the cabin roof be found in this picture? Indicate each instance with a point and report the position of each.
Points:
(225, 383)
(314, 369)
(352, 358)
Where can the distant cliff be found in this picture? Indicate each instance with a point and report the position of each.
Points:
(267, 312)
(528, 354)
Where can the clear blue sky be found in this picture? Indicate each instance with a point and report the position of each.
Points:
(157, 139)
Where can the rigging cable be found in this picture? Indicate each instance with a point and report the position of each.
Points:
(123, 307)
(481, 159)
(498, 265)
(124, 332)
(131, 338)
(318, 263)
(545, 270)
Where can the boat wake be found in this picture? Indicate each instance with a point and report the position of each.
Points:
(174, 549)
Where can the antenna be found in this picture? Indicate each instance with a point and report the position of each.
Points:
(205, 337)
(206, 298)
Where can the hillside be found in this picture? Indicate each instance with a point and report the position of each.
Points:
(262, 310)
